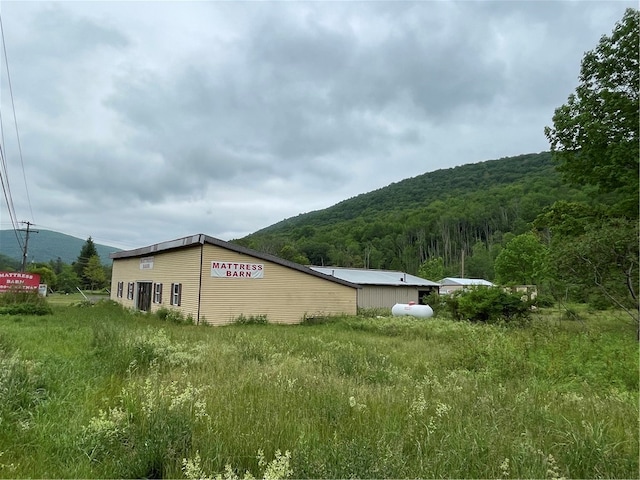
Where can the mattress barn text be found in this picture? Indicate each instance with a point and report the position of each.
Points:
(236, 270)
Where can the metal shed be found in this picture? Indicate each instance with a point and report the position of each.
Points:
(383, 288)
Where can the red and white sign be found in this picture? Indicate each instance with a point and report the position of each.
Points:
(237, 270)
(17, 280)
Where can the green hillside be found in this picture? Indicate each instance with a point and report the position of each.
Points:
(462, 212)
(430, 187)
(48, 245)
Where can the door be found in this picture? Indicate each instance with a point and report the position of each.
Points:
(144, 296)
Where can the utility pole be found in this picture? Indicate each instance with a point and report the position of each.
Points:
(26, 244)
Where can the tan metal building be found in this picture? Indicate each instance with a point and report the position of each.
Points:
(217, 282)
(383, 288)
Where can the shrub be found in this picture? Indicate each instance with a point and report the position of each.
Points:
(436, 302)
(490, 305)
(251, 320)
(374, 312)
(14, 296)
(598, 302)
(544, 301)
(25, 309)
(173, 316)
(23, 302)
(84, 304)
(316, 320)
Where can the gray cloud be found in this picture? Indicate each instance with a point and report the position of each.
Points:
(145, 121)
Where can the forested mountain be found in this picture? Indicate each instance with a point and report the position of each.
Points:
(461, 215)
(47, 245)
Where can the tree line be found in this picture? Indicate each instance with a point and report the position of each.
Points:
(565, 220)
(87, 272)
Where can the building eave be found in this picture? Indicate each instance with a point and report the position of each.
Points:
(201, 239)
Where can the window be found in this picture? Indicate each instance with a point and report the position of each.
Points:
(176, 293)
(130, 290)
(120, 289)
(157, 293)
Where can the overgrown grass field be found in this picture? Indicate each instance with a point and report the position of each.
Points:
(100, 392)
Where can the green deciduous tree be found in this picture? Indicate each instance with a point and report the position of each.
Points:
(9, 264)
(94, 273)
(432, 269)
(604, 256)
(289, 252)
(47, 275)
(567, 218)
(487, 304)
(480, 263)
(316, 252)
(594, 138)
(524, 261)
(594, 141)
(67, 280)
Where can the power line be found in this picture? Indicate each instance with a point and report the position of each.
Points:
(4, 171)
(15, 118)
(4, 179)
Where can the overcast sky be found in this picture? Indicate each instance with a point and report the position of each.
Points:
(141, 122)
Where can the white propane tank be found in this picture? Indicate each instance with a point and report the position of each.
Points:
(411, 309)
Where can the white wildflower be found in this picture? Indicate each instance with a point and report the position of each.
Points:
(192, 469)
(354, 404)
(442, 409)
(278, 468)
(418, 406)
(553, 470)
(504, 468)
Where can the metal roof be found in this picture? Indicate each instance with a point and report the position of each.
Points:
(465, 282)
(363, 276)
(201, 239)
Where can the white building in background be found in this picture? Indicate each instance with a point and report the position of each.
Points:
(449, 285)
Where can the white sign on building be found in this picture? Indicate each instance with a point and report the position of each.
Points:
(236, 270)
(146, 263)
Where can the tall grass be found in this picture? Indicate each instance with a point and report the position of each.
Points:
(100, 392)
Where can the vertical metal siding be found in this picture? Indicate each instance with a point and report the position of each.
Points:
(378, 296)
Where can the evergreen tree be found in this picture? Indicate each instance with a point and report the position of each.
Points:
(56, 265)
(88, 250)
